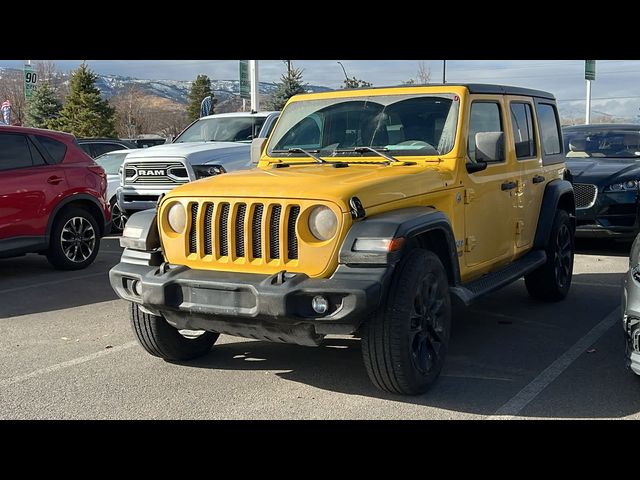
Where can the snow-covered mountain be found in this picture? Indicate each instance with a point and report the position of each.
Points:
(174, 90)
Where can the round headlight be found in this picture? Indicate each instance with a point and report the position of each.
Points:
(630, 185)
(177, 217)
(323, 223)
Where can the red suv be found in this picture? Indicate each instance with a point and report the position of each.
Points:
(52, 198)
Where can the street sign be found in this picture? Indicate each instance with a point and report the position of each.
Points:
(590, 69)
(245, 87)
(30, 80)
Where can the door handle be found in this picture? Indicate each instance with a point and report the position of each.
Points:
(508, 185)
(538, 179)
(54, 180)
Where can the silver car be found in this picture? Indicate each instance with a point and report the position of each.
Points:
(631, 308)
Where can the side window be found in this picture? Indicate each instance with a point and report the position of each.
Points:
(484, 117)
(521, 120)
(102, 148)
(36, 156)
(87, 148)
(14, 152)
(55, 148)
(549, 129)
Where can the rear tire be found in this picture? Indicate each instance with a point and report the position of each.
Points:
(551, 281)
(118, 217)
(75, 240)
(162, 340)
(405, 344)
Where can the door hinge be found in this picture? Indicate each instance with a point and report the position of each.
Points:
(519, 227)
(469, 243)
(469, 195)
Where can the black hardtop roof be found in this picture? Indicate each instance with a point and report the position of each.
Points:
(475, 88)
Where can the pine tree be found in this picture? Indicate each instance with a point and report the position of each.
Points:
(43, 108)
(85, 114)
(200, 89)
(290, 85)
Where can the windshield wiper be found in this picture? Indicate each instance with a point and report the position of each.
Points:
(301, 150)
(377, 151)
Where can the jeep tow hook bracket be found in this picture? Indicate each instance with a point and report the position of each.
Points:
(279, 278)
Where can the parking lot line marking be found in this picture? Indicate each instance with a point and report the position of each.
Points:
(52, 282)
(67, 364)
(525, 396)
(587, 284)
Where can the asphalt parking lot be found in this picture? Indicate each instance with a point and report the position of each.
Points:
(67, 352)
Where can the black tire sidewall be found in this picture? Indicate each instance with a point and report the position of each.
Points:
(56, 255)
(114, 203)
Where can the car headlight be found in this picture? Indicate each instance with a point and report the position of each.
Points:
(204, 171)
(623, 186)
(323, 223)
(177, 217)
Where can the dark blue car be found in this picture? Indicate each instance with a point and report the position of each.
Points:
(604, 163)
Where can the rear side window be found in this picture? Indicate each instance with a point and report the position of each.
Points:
(549, 129)
(102, 148)
(55, 148)
(521, 120)
(14, 152)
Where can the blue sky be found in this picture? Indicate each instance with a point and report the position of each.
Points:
(616, 90)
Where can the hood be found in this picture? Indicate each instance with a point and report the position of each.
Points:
(197, 153)
(603, 171)
(372, 184)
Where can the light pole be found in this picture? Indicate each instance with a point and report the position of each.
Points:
(444, 71)
(345, 73)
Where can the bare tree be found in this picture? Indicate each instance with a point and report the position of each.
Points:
(47, 72)
(133, 115)
(424, 73)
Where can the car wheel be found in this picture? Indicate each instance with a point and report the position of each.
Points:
(551, 281)
(74, 240)
(162, 340)
(118, 217)
(405, 344)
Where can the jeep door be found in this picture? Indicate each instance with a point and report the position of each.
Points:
(489, 195)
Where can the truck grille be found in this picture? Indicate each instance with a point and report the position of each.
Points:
(238, 230)
(155, 173)
(585, 194)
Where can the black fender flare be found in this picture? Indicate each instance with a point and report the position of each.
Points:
(405, 222)
(74, 198)
(554, 191)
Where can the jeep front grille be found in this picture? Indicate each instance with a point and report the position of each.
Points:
(173, 173)
(237, 229)
(585, 194)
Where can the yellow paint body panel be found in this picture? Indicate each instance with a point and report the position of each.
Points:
(485, 219)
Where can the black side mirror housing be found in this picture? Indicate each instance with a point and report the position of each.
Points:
(478, 166)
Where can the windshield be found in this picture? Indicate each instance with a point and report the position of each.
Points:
(111, 162)
(602, 143)
(222, 129)
(402, 124)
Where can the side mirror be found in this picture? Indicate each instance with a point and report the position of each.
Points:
(489, 147)
(257, 144)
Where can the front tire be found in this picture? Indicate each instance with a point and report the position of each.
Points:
(162, 340)
(551, 281)
(405, 344)
(75, 240)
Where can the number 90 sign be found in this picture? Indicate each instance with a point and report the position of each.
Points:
(30, 80)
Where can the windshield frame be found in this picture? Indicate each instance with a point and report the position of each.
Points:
(452, 124)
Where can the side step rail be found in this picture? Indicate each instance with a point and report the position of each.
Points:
(471, 291)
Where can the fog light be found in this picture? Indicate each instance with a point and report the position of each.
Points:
(136, 286)
(320, 304)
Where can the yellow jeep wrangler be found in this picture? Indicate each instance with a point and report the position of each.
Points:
(368, 211)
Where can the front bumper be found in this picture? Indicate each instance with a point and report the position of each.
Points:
(631, 320)
(230, 302)
(613, 215)
(136, 199)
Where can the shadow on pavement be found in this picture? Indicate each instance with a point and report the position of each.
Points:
(498, 346)
(29, 284)
(614, 248)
